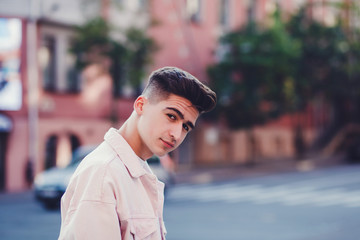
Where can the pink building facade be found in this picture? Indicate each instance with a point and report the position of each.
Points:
(56, 115)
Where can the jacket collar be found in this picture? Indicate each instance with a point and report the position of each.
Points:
(124, 152)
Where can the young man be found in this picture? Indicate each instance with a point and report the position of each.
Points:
(113, 193)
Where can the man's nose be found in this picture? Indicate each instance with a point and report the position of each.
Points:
(176, 131)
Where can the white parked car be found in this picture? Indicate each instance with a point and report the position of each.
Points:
(50, 185)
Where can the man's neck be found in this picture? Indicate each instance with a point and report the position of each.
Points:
(130, 133)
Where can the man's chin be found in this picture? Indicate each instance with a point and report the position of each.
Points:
(161, 153)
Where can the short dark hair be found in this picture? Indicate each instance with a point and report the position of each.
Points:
(172, 80)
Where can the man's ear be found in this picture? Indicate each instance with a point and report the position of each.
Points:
(139, 104)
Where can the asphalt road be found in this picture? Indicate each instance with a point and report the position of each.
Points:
(317, 205)
(22, 218)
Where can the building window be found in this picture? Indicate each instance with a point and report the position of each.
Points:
(143, 5)
(135, 5)
(72, 74)
(224, 13)
(47, 59)
(193, 10)
(57, 63)
(252, 11)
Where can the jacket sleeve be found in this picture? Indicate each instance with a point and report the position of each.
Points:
(91, 220)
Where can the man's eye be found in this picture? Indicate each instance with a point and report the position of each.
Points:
(186, 127)
(172, 117)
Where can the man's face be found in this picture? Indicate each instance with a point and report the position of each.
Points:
(164, 125)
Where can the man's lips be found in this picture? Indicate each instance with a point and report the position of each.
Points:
(167, 144)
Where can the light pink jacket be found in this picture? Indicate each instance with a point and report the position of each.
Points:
(111, 196)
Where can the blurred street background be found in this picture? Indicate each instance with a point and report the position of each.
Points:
(279, 156)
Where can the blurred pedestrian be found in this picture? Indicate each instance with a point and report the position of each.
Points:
(113, 194)
(29, 173)
(299, 143)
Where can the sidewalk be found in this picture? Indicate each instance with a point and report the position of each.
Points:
(198, 175)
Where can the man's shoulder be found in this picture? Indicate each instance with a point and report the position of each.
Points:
(103, 155)
(102, 163)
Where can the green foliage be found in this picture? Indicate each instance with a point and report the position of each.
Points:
(329, 65)
(140, 49)
(254, 80)
(282, 69)
(92, 42)
(127, 59)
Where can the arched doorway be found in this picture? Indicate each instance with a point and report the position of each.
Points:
(74, 141)
(58, 149)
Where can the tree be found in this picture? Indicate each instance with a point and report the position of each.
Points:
(126, 60)
(284, 68)
(255, 78)
(329, 67)
(140, 49)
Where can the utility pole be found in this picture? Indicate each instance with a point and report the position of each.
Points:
(32, 86)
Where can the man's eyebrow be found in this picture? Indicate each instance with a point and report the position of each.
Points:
(181, 115)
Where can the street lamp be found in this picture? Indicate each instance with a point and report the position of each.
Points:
(33, 86)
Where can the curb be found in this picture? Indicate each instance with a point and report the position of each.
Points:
(210, 174)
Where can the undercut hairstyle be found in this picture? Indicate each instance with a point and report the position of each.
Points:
(172, 80)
